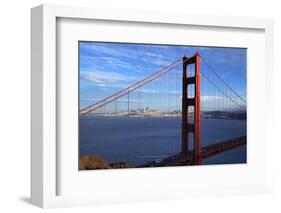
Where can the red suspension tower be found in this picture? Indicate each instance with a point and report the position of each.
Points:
(187, 126)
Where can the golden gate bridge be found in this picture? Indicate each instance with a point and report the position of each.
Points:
(188, 88)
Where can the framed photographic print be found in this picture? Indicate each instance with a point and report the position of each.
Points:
(130, 106)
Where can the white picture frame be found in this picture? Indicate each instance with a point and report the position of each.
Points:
(44, 147)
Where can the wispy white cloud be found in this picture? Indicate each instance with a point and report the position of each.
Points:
(104, 79)
(137, 54)
(105, 61)
(105, 49)
(156, 61)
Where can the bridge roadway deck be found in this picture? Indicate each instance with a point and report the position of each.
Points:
(208, 151)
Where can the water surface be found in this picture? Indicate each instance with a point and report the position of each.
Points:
(139, 140)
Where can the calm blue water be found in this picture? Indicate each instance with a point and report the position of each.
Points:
(141, 140)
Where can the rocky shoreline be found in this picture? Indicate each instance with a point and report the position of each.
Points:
(98, 162)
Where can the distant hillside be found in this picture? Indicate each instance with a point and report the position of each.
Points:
(237, 115)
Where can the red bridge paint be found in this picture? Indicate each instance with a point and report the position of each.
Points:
(187, 126)
(208, 151)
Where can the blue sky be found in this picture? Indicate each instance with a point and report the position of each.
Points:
(106, 68)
